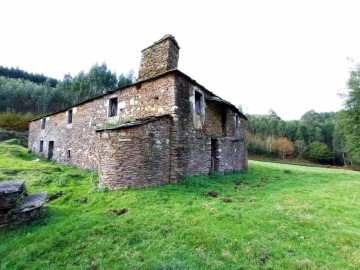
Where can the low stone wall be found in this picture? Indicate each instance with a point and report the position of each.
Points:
(16, 207)
(136, 156)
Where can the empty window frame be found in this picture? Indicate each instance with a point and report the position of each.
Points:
(41, 148)
(43, 123)
(70, 116)
(113, 105)
(236, 121)
(198, 97)
(68, 154)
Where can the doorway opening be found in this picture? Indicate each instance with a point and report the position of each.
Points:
(51, 150)
(213, 155)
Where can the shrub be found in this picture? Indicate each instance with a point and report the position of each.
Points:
(318, 152)
(15, 121)
(19, 136)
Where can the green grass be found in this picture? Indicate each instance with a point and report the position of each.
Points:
(281, 217)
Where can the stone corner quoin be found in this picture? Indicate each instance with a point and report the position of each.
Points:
(148, 133)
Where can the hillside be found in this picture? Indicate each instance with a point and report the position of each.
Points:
(275, 216)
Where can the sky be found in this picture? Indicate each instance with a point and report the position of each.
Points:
(288, 56)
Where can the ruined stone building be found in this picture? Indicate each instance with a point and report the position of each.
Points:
(149, 133)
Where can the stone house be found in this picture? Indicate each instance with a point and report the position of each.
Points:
(149, 133)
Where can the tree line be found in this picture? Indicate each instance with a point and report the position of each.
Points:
(310, 137)
(23, 95)
(16, 73)
(325, 137)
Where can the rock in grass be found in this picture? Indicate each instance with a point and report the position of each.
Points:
(213, 194)
(117, 211)
(227, 200)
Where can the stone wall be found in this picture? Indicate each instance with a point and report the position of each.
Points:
(213, 125)
(16, 207)
(137, 156)
(197, 129)
(149, 98)
(229, 155)
(160, 57)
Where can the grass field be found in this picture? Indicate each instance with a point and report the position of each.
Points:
(279, 217)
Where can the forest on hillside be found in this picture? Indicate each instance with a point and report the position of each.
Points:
(323, 137)
(24, 92)
(312, 137)
(328, 137)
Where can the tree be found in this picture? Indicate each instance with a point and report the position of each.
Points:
(339, 142)
(284, 146)
(351, 115)
(127, 79)
(300, 147)
(318, 152)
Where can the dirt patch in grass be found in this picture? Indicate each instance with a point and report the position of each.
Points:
(55, 196)
(213, 194)
(10, 172)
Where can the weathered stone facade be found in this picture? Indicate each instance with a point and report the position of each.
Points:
(138, 155)
(155, 97)
(176, 127)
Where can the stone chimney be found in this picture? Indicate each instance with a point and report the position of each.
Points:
(160, 57)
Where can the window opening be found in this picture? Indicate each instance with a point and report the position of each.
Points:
(43, 123)
(113, 103)
(68, 154)
(41, 146)
(70, 116)
(198, 102)
(237, 121)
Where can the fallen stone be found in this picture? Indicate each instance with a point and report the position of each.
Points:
(117, 212)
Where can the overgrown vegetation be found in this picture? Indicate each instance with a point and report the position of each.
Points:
(273, 217)
(21, 136)
(16, 121)
(117, 123)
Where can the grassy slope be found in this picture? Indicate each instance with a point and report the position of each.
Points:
(307, 218)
